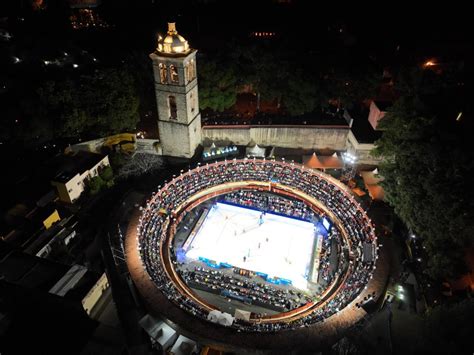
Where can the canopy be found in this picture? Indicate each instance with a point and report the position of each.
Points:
(322, 162)
(211, 148)
(313, 162)
(331, 162)
(255, 151)
(242, 315)
(371, 181)
(219, 317)
(371, 177)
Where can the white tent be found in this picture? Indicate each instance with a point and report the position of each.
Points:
(213, 316)
(226, 319)
(210, 149)
(242, 315)
(255, 151)
(219, 317)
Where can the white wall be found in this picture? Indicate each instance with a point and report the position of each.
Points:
(305, 137)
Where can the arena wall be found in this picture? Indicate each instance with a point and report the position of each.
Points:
(304, 137)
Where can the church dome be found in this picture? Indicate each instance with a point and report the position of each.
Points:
(172, 43)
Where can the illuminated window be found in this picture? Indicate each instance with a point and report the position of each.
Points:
(163, 74)
(173, 108)
(174, 74)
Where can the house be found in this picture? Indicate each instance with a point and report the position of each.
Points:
(74, 171)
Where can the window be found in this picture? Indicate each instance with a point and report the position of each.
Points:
(174, 74)
(173, 108)
(193, 102)
(163, 73)
(190, 71)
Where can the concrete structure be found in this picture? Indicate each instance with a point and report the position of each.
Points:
(363, 151)
(95, 293)
(288, 136)
(70, 182)
(179, 119)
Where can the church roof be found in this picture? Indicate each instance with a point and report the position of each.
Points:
(172, 43)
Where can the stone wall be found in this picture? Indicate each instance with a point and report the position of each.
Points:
(305, 137)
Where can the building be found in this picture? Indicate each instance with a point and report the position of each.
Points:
(378, 109)
(48, 302)
(75, 170)
(179, 119)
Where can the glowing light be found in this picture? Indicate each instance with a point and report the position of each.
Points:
(75, 65)
(459, 116)
(429, 63)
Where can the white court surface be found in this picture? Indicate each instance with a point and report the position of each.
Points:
(280, 246)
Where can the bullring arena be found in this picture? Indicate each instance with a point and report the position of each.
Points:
(256, 253)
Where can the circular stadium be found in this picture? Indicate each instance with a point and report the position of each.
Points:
(256, 252)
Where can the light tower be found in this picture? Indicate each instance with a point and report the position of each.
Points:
(179, 119)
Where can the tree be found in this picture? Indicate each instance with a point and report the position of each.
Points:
(351, 81)
(59, 102)
(110, 102)
(140, 164)
(101, 104)
(427, 164)
(261, 68)
(95, 185)
(301, 96)
(217, 85)
(448, 329)
(107, 175)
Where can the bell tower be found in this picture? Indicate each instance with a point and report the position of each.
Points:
(176, 89)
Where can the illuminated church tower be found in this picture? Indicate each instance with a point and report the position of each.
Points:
(179, 119)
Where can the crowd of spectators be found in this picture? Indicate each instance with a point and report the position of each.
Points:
(257, 293)
(272, 203)
(156, 219)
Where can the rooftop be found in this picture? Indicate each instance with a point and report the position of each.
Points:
(70, 165)
(172, 43)
(30, 271)
(361, 127)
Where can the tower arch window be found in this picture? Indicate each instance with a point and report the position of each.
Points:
(174, 74)
(190, 71)
(173, 108)
(163, 73)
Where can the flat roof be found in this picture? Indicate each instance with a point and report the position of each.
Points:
(72, 164)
